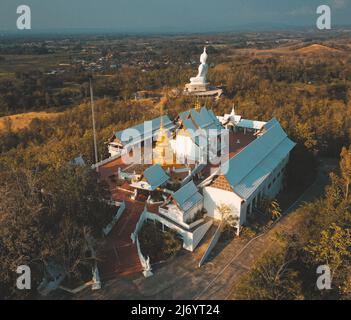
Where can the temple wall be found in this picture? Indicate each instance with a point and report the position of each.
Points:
(213, 197)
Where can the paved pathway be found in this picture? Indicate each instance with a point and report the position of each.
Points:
(120, 256)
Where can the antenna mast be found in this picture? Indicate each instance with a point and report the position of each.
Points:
(93, 118)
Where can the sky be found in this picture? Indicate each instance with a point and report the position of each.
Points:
(162, 16)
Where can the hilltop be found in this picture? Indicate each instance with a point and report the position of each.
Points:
(294, 49)
(317, 48)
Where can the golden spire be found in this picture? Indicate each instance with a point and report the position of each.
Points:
(161, 114)
(162, 150)
(197, 105)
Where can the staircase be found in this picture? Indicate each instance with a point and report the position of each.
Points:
(120, 256)
(211, 244)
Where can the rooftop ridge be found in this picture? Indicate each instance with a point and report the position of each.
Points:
(273, 132)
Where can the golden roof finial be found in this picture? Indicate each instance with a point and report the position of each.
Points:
(162, 152)
(197, 105)
(161, 115)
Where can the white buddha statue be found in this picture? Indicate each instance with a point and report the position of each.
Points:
(203, 69)
(198, 85)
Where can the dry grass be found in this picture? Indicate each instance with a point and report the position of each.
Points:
(317, 48)
(22, 120)
(294, 49)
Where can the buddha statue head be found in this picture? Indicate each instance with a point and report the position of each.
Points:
(203, 57)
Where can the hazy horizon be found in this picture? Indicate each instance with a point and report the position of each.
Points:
(165, 16)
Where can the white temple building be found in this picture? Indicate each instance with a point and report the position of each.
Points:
(178, 183)
(180, 172)
(257, 171)
(256, 156)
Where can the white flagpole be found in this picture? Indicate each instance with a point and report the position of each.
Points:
(93, 117)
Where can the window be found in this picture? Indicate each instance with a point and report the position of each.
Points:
(269, 186)
(274, 180)
(249, 208)
(279, 174)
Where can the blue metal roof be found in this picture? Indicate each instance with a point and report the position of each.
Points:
(193, 131)
(194, 121)
(184, 115)
(207, 121)
(187, 196)
(250, 183)
(215, 119)
(271, 123)
(250, 167)
(204, 119)
(155, 176)
(149, 132)
(250, 124)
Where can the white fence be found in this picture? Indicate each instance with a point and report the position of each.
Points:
(213, 243)
(178, 218)
(145, 263)
(101, 163)
(196, 223)
(109, 227)
(190, 176)
(190, 238)
(138, 226)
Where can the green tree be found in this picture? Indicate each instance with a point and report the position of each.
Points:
(272, 278)
(23, 236)
(228, 220)
(172, 243)
(274, 210)
(332, 249)
(47, 216)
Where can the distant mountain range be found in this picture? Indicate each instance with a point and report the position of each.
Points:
(257, 27)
